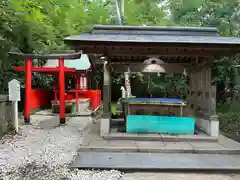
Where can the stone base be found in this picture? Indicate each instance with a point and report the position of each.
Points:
(83, 106)
(211, 127)
(105, 126)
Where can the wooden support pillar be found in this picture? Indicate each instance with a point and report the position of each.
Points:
(106, 118)
(207, 120)
(61, 90)
(210, 94)
(194, 90)
(201, 90)
(189, 99)
(212, 101)
(28, 88)
(106, 90)
(204, 90)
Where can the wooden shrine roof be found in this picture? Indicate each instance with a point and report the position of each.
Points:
(174, 44)
(74, 63)
(80, 64)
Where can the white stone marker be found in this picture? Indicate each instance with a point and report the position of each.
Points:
(14, 96)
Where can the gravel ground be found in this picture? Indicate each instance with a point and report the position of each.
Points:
(42, 151)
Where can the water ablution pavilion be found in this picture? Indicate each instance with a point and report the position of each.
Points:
(160, 50)
(162, 126)
(158, 133)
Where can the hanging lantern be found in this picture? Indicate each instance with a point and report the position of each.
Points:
(153, 65)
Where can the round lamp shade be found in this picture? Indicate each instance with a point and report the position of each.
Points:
(153, 65)
(153, 61)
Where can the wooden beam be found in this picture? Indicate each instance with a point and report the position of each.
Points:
(96, 44)
(159, 50)
(169, 68)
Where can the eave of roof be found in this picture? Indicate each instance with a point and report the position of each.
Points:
(163, 41)
(153, 34)
(123, 38)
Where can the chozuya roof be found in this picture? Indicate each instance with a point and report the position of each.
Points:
(150, 34)
(82, 63)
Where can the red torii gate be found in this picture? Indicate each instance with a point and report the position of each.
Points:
(61, 70)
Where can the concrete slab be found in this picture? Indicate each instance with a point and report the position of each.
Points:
(206, 145)
(148, 146)
(189, 137)
(228, 143)
(176, 176)
(212, 148)
(178, 145)
(156, 161)
(132, 136)
(157, 137)
(122, 146)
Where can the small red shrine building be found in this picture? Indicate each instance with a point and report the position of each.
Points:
(75, 66)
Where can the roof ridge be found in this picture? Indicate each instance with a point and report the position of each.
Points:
(155, 30)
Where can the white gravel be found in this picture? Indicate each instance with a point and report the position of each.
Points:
(42, 151)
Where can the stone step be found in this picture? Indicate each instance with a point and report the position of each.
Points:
(132, 149)
(157, 161)
(158, 137)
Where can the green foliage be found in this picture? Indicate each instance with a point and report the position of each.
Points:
(143, 13)
(229, 122)
(34, 26)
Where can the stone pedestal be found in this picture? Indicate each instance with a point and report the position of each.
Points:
(105, 126)
(83, 105)
(209, 126)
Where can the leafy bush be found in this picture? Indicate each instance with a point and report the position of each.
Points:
(229, 122)
(229, 117)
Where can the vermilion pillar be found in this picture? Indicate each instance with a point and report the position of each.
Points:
(28, 88)
(77, 90)
(61, 83)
